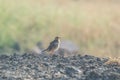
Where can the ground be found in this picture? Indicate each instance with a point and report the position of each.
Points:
(55, 67)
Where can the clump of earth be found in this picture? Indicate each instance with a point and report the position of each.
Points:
(55, 67)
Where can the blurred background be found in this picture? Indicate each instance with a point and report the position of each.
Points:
(93, 25)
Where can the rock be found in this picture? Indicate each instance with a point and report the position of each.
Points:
(46, 67)
(73, 72)
(16, 46)
(68, 45)
(38, 48)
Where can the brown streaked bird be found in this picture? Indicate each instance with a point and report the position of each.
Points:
(54, 45)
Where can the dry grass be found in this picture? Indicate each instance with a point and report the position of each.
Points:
(113, 61)
(93, 25)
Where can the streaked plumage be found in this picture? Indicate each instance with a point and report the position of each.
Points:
(54, 45)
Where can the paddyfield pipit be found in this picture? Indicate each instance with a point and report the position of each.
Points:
(54, 45)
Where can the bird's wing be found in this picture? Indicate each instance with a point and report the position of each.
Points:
(53, 44)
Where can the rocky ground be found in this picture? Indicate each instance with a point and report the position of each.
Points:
(46, 67)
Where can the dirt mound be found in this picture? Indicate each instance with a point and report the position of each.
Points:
(46, 67)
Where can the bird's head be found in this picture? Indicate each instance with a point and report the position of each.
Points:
(57, 38)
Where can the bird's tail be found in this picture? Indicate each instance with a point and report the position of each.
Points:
(44, 50)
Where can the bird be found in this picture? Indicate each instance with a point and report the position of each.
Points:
(53, 46)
